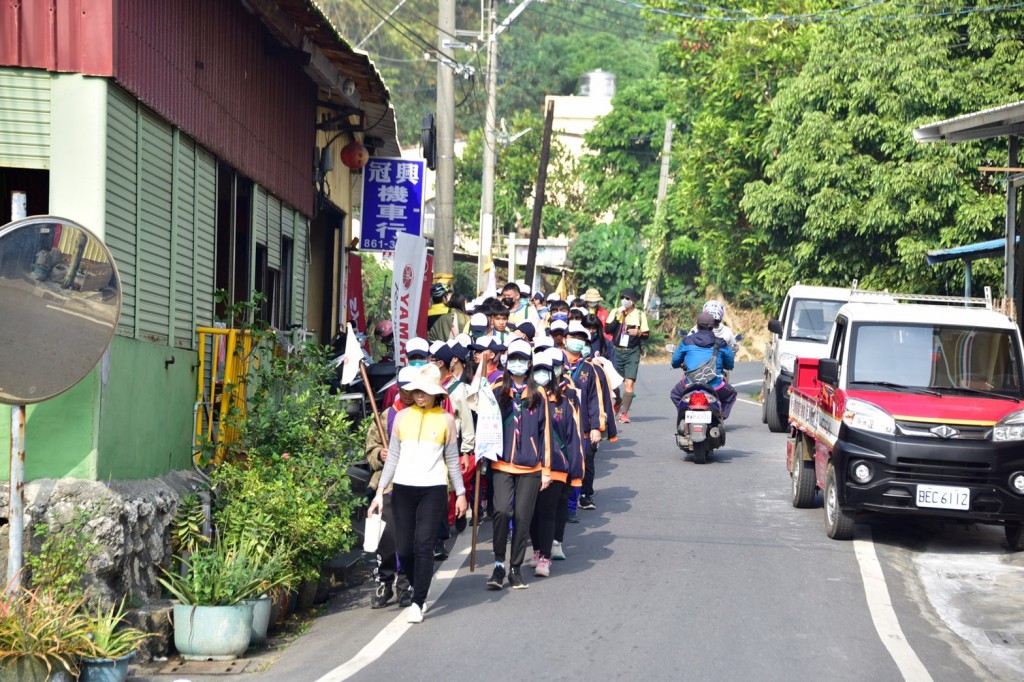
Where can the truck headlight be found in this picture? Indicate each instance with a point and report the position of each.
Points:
(787, 361)
(1017, 482)
(1010, 427)
(866, 416)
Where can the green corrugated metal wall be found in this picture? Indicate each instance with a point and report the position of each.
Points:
(161, 217)
(300, 235)
(24, 118)
(272, 221)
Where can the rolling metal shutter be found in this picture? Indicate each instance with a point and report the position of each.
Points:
(24, 118)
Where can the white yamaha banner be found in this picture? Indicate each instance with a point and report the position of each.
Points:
(410, 265)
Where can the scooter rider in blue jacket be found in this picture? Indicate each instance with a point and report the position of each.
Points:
(696, 349)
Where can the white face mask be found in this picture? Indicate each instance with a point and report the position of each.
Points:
(518, 367)
(542, 377)
(626, 303)
(557, 370)
(585, 352)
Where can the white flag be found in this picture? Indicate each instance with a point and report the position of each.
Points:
(352, 357)
(409, 265)
(488, 426)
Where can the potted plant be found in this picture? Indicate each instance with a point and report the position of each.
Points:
(112, 645)
(212, 620)
(41, 636)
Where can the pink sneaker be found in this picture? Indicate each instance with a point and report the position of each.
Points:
(543, 569)
(532, 563)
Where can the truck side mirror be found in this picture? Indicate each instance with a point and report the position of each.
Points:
(828, 371)
(775, 327)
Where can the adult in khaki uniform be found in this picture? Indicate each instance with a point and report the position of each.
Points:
(628, 328)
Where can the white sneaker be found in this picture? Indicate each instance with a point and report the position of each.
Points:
(532, 563)
(414, 614)
(557, 552)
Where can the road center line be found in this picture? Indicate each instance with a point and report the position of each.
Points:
(394, 630)
(882, 613)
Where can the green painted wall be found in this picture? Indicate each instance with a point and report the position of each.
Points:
(145, 411)
(60, 434)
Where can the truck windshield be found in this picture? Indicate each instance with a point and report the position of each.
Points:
(811, 319)
(976, 361)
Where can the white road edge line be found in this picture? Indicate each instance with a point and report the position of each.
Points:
(748, 402)
(882, 613)
(747, 383)
(394, 630)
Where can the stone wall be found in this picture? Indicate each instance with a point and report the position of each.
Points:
(130, 522)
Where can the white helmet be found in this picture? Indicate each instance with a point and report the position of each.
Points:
(716, 309)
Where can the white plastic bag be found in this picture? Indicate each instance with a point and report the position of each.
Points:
(372, 532)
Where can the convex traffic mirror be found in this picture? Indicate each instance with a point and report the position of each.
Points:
(60, 297)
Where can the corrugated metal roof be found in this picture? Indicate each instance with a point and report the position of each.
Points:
(988, 249)
(310, 27)
(1007, 119)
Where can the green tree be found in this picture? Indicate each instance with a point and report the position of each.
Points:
(608, 257)
(847, 192)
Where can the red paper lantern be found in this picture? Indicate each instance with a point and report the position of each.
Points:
(354, 155)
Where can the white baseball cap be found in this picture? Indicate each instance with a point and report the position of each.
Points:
(417, 346)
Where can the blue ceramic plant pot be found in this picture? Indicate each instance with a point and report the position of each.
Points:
(105, 669)
(212, 633)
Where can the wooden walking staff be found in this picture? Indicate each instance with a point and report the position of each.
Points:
(373, 404)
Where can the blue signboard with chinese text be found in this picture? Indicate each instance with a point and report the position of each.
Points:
(392, 202)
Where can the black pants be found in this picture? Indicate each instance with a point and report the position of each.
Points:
(562, 512)
(589, 456)
(387, 559)
(416, 510)
(542, 528)
(521, 491)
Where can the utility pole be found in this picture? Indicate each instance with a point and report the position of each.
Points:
(490, 152)
(653, 264)
(444, 201)
(490, 137)
(538, 200)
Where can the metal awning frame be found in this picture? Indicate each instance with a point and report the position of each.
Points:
(1003, 121)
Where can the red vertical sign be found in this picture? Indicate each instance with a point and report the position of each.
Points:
(354, 309)
(428, 275)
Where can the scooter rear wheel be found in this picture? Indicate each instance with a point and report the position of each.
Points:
(700, 452)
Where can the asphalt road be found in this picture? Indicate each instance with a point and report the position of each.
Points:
(696, 572)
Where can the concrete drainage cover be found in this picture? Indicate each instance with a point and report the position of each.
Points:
(205, 667)
(1007, 638)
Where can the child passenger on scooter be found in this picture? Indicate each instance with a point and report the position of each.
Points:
(697, 349)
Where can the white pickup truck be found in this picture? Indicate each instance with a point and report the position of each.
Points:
(801, 330)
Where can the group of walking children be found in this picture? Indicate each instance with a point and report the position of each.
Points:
(533, 395)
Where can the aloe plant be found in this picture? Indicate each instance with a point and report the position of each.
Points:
(108, 636)
(225, 573)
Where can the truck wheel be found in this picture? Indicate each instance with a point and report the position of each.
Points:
(838, 523)
(1015, 536)
(765, 394)
(804, 485)
(777, 422)
(700, 452)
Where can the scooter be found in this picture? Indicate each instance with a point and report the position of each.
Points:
(699, 426)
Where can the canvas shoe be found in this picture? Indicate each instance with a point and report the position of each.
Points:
(382, 597)
(543, 569)
(497, 578)
(515, 579)
(414, 614)
(557, 553)
(532, 563)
